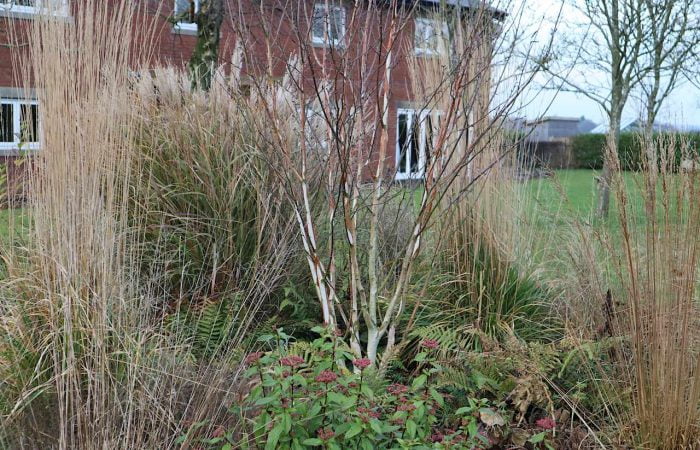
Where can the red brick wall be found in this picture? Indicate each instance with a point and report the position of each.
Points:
(175, 49)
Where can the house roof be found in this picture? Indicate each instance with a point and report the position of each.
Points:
(632, 125)
(499, 14)
(554, 118)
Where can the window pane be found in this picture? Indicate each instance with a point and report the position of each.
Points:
(415, 135)
(403, 142)
(429, 139)
(29, 123)
(6, 123)
(418, 34)
(185, 10)
(319, 23)
(337, 28)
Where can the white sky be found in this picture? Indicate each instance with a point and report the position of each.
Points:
(681, 109)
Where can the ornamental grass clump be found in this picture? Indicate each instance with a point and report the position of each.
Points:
(90, 354)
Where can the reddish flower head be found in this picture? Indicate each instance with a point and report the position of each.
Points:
(292, 361)
(437, 437)
(326, 377)
(325, 434)
(406, 407)
(546, 422)
(253, 358)
(397, 389)
(430, 343)
(362, 363)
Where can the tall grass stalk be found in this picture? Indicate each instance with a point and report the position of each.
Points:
(89, 356)
(657, 264)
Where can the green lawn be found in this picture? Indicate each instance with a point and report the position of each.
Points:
(12, 221)
(572, 194)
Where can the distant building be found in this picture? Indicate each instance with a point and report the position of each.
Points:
(554, 128)
(633, 126)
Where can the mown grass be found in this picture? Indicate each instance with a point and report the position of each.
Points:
(572, 194)
(13, 222)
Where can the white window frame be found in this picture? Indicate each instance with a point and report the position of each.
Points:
(17, 125)
(422, 116)
(186, 26)
(55, 7)
(326, 12)
(424, 26)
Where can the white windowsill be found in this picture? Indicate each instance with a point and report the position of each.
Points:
(407, 177)
(323, 43)
(427, 52)
(185, 28)
(12, 149)
(29, 12)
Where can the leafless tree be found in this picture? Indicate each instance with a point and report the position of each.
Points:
(670, 51)
(599, 59)
(328, 102)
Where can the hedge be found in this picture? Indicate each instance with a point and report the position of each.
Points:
(588, 149)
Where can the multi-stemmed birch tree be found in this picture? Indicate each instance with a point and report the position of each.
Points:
(328, 95)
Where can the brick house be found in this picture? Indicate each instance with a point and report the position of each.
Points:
(325, 23)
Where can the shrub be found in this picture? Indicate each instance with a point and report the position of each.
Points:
(588, 149)
(316, 401)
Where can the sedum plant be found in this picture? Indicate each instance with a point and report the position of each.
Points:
(327, 399)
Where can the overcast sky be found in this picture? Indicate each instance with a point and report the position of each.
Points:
(682, 109)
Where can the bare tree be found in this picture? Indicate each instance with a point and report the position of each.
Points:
(378, 125)
(669, 56)
(610, 41)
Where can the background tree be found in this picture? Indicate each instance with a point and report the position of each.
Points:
(609, 41)
(205, 56)
(668, 57)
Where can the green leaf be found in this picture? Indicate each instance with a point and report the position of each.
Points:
(410, 429)
(420, 357)
(287, 422)
(539, 437)
(335, 397)
(419, 381)
(274, 436)
(354, 430)
(366, 444)
(376, 426)
(464, 410)
(437, 397)
(313, 442)
(315, 409)
(472, 428)
(227, 447)
(265, 401)
(266, 338)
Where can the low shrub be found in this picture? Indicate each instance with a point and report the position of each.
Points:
(328, 399)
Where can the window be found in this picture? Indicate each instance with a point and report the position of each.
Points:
(56, 7)
(19, 124)
(430, 37)
(415, 137)
(185, 14)
(328, 27)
